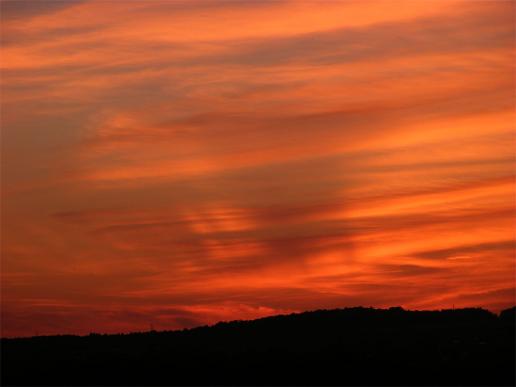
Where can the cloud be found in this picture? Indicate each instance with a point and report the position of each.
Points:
(165, 163)
(507, 246)
(13, 9)
(383, 41)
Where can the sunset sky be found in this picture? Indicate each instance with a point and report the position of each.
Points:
(181, 163)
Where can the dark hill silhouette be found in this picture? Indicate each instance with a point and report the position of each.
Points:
(353, 346)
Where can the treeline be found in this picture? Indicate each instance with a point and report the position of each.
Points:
(352, 346)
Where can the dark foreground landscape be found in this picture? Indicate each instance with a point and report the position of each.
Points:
(355, 346)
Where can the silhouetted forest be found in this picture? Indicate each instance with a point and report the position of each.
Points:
(353, 346)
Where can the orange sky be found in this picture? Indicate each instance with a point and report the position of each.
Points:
(180, 163)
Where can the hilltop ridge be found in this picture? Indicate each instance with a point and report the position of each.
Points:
(352, 346)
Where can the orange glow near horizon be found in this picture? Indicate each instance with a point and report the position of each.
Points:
(178, 163)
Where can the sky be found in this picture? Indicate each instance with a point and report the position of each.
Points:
(178, 163)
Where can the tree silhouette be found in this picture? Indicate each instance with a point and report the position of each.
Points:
(353, 346)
